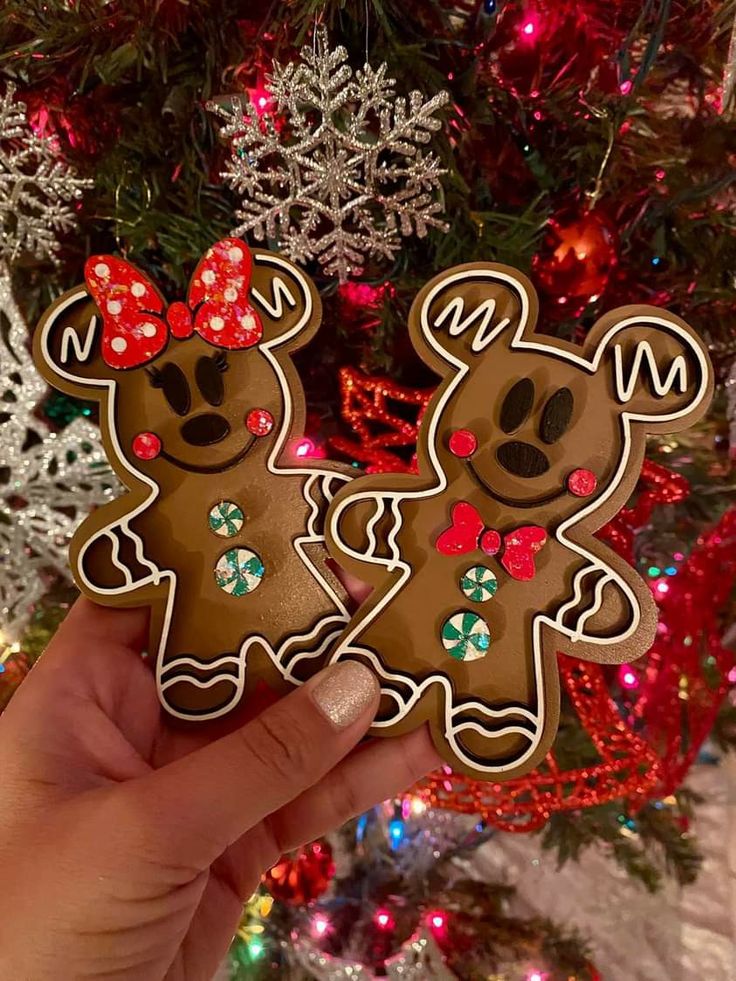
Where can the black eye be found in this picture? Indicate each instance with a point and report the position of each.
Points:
(517, 405)
(208, 373)
(556, 416)
(175, 387)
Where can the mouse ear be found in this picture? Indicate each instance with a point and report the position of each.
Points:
(286, 299)
(464, 311)
(67, 345)
(659, 369)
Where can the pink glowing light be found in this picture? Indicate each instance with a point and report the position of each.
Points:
(625, 87)
(627, 677)
(529, 28)
(662, 588)
(384, 920)
(437, 920)
(260, 100)
(320, 925)
(305, 447)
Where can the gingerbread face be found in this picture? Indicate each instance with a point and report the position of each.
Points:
(484, 564)
(220, 531)
(207, 410)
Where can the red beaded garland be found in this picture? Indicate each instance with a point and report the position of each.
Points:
(259, 422)
(146, 446)
(463, 443)
(582, 482)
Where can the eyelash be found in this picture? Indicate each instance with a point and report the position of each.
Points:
(219, 360)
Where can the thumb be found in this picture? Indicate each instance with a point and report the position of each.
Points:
(195, 808)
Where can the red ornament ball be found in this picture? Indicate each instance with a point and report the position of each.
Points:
(146, 446)
(582, 482)
(303, 876)
(259, 422)
(575, 260)
(463, 443)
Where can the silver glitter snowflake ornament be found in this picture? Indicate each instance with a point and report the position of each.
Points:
(37, 188)
(333, 170)
(48, 481)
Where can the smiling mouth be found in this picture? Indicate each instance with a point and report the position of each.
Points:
(216, 468)
(511, 501)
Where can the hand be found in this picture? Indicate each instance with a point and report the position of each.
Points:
(127, 846)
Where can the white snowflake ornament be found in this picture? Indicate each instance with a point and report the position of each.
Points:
(48, 481)
(37, 188)
(333, 170)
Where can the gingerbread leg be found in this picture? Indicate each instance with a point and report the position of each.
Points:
(199, 670)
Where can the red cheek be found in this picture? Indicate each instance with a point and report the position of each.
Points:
(463, 443)
(146, 446)
(582, 482)
(259, 422)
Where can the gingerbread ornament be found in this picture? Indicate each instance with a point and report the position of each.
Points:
(484, 564)
(200, 406)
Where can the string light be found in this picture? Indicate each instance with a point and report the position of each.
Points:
(320, 925)
(627, 677)
(396, 832)
(384, 920)
(304, 448)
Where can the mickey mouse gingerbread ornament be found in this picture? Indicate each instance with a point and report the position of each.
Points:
(485, 565)
(220, 529)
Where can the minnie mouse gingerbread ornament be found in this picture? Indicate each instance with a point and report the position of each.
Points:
(220, 531)
(485, 565)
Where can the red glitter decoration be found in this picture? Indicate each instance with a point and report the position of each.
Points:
(468, 532)
(376, 411)
(465, 532)
(463, 443)
(146, 446)
(259, 422)
(303, 876)
(218, 306)
(582, 482)
(519, 549)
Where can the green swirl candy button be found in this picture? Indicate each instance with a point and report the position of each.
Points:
(466, 636)
(239, 571)
(226, 519)
(479, 584)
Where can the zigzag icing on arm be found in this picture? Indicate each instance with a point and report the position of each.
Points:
(625, 389)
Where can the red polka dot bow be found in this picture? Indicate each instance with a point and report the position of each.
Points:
(136, 321)
(468, 532)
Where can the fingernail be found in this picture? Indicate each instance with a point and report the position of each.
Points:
(345, 691)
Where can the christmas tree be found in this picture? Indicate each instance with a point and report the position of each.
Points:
(590, 144)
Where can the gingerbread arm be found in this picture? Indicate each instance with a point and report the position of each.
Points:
(610, 617)
(107, 554)
(361, 529)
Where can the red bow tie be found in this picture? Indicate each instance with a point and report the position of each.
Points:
(468, 532)
(217, 308)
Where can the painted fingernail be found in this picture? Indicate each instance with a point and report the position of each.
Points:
(345, 691)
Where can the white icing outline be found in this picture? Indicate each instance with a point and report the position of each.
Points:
(678, 371)
(71, 337)
(157, 576)
(485, 336)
